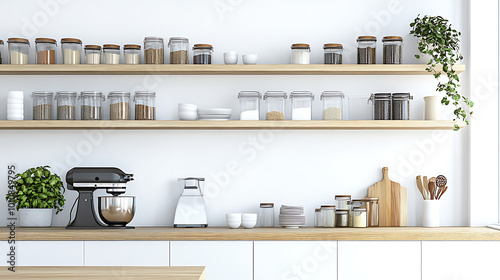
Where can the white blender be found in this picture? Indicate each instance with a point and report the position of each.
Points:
(190, 211)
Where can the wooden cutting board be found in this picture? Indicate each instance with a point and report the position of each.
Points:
(392, 201)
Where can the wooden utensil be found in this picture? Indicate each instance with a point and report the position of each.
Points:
(432, 185)
(426, 188)
(444, 190)
(392, 201)
(440, 183)
(420, 186)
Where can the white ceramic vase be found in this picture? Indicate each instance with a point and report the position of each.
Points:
(433, 108)
(430, 217)
(35, 217)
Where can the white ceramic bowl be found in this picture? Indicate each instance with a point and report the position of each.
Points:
(14, 101)
(233, 220)
(231, 57)
(187, 107)
(15, 117)
(248, 220)
(16, 94)
(215, 111)
(15, 111)
(250, 58)
(188, 115)
(15, 106)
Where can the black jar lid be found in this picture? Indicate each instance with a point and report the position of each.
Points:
(403, 95)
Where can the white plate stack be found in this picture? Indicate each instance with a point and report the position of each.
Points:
(215, 114)
(15, 106)
(292, 216)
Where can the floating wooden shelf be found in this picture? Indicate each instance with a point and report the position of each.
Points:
(259, 69)
(232, 125)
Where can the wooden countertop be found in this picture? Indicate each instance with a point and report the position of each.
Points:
(256, 234)
(106, 272)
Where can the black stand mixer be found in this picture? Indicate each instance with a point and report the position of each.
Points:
(116, 211)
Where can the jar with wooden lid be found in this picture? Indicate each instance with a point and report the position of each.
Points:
(153, 50)
(71, 50)
(392, 49)
(92, 54)
(1, 51)
(45, 50)
(91, 105)
(119, 108)
(132, 54)
(18, 50)
(42, 105)
(301, 54)
(145, 108)
(302, 105)
(275, 104)
(111, 54)
(333, 53)
(367, 46)
(66, 101)
(341, 218)
(178, 50)
(359, 217)
(328, 213)
(202, 54)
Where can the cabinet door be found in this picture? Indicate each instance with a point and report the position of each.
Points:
(50, 253)
(379, 260)
(460, 260)
(126, 253)
(223, 259)
(295, 260)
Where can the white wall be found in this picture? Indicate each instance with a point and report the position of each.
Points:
(289, 167)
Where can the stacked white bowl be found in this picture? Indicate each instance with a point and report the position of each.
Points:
(15, 106)
(187, 112)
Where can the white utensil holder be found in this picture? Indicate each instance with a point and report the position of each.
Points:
(433, 108)
(430, 217)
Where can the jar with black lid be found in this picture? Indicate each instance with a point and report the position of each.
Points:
(202, 54)
(401, 106)
(367, 46)
(393, 49)
(382, 103)
(333, 53)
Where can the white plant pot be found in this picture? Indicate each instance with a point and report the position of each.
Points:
(34, 217)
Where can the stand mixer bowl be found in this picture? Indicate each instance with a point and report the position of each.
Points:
(116, 210)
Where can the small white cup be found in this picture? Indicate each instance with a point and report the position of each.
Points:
(230, 57)
(233, 220)
(250, 59)
(248, 220)
(14, 101)
(430, 217)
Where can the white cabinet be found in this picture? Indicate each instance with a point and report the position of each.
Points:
(224, 259)
(379, 260)
(295, 260)
(50, 253)
(460, 260)
(126, 253)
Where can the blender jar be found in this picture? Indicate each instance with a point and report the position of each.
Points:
(333, 53)
(132, 54)
(119, 108)
(91, 105)
(301, 105)
(71, 50)
(333, 105)
(42, 105)
(45, 50)
(275, 103)
(145, 105)
(392, 49)
(367, 46)
(66, 105)
(92, 54)
(153, 50)
(249, 105)
(178, 50)
(111, 54)
(301, 54)
(18, 50)
(202, 54)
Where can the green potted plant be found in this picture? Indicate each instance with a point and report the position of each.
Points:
(441, 43)
(37, 193)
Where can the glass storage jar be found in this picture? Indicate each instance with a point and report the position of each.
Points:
(356, 203)
(318, 218)
(401, 106)
(359, 217)
(249, 105)
(372, 211)
(301, 105)
(202, 54)
(392, 49)
(66, 105)
(275, 103)
(45, 50)
(341, 218)
(343, 202)
(91, 105)
(1, 51)
(367, 46)
(71, 50)
(145, 105)
(111, 54)
(42, 105)
(301, 54)
(132, 54)
(18, 50)
(178, 50)
(333, 53)
(333, 105)
(92, 54)
(382, 103)
(119, 108)
(328, 213)
(153, 50)
(266, 215)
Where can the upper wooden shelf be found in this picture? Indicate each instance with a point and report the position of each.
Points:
(190, 69)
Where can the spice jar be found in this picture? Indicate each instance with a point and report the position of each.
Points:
(119, 108)
(18, 50)
(91, 105)
(392, 49)
(111, 54)
(343, 202)
(66, 105)
(266, 215)
(401, 106)
(301, 105)
(301, 54)
(359, 217)
(382, 103)
(1, 51)
(333, 104)
(92, 54)
(333, 53)
(71, 50)
(275, 103)
(367, 46)
(318, 218)
(328, 213)
(145, 105)
(132, 54)
(45, 50)
(249, 105)
(341, 218)
(372, 211)
(178, 50)
(202, 54)
(153, 50)
(42, 105)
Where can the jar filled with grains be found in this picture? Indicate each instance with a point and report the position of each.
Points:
(119, 105)
(91, 105)
(367, 46)
(92, 54)
(42, 105)
(153, 50)
(71, 50)
(333, 104)
(66, 105)
(145, 105)
(45, 50)
(333, 53)
(275, 103)
(111, 54)
(382, 103)
(341, 218)
(301, 54)
(359, 217)
(202, 54)
(328, 213)
(18, 50)
(392, 49)
(401, 106)
(301, 105)
(132, 54)
(318, 218)
(178, 50)
(356, 203)
(249, 105)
